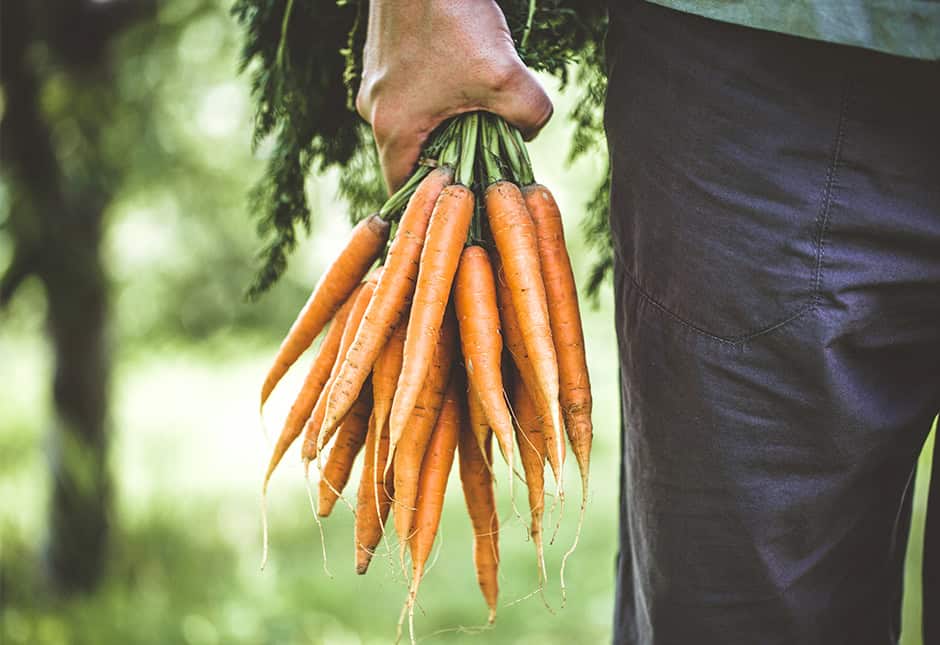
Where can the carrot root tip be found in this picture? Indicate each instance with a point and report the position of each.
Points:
(264, 529)
(316, 517)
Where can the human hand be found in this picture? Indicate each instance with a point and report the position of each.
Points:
(426, 61)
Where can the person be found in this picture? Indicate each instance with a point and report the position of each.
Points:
(775, 212)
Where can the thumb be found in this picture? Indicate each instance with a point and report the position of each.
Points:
(520, 99)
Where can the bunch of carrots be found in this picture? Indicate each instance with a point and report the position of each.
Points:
(464, 326)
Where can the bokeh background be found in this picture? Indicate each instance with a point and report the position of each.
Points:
(128, 408)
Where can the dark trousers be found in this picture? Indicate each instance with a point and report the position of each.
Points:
(775, 208)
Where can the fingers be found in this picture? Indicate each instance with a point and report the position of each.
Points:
(520, 99)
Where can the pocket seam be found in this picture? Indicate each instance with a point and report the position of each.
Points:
(822, 229)
(735, 341)
(825, 214)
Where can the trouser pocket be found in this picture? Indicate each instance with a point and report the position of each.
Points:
(725, 149)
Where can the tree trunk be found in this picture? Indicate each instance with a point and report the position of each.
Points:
(57, 236)
(79, 523)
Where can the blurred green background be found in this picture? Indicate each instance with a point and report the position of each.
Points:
(144, 141)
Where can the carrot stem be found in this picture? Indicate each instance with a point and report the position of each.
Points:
(528, 177)
(489, 154)
(514, 148)
(450, 152)
(468, 138)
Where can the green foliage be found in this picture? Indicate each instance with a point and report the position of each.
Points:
(304, 57)
(588, 137)
(560, 32)
(293, 50)
(361, 184)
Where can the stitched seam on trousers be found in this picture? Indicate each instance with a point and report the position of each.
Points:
(826, 209)
(726, 341)
(822, 226)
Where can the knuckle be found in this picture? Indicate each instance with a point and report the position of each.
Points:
(362, 105)
(503, 76)
(366, 97)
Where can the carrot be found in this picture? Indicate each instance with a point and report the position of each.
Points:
(340, 279)
(408, 451)
(393, 295)
(312, 387)
(349, 439)
(509, 326)
(565, 318)
(478, 316)
(312, 441)
(512, 334)
(385, 376)
(446, 235)
(432, 482)
(479, 426)
(309, 449)
(478, 493)
(310, 391)
(532, 455)
(373, 500)
(514, 234)
(384, 381)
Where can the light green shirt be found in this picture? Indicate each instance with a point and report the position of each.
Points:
(905, 28)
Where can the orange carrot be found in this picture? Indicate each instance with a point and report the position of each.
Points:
(478, 316)
(312, 443)
(393, 295)
(408, 451)
(514, 234)
(446, 235)
(512, 334)
(349, 439)
(435, 471)
(364, 247)
(531, 440)
(509, 326)
(565, 317)
(313, 385)
(385, 376)
(373, 500)
(384, 381)
(481, 506)
(479, 426)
